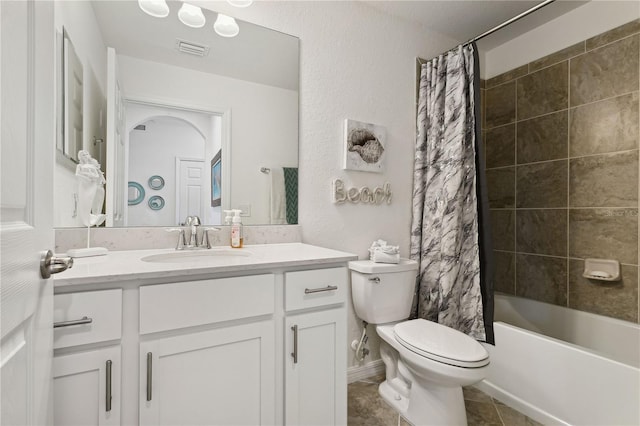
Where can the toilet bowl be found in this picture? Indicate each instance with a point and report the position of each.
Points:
(426, 363)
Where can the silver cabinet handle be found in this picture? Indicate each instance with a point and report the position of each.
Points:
(149, 373)
(108, 393)
(294, 354)
(321, 289)
(83, 320)
(49, 264)
(375, 280)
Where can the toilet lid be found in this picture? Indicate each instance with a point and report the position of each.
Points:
(441, 343)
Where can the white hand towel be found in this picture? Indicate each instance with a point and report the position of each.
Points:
(278, 206)
(381, 257)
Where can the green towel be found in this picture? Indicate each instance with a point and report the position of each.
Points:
(291, 194)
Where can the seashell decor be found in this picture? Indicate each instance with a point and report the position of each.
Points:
(364, 146)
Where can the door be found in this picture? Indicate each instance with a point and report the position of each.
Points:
(191, 188)
(217, 377)
(116, 176)
(87, 388)
(27, 140)
(316, 369)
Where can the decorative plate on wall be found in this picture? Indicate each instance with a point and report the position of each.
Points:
(156, 202)
(136, 193)
(156, 182)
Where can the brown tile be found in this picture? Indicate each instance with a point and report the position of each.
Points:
(500, 144)
(511, 417)
(607, 180)
(542, 278)
(614, 299)
(614, 34)
(542, 138)
(365, 407)
(543, 91)
(483, 109)
(604, 234)
(472, 394)
(542, 185)
(500, 105)
(482, 414)
(501, 184)
(606, 126)
(606, 72)
(503, 224)
(505, 275)
(483, 83)
(559, 56)
(542, 232)
(508, 76)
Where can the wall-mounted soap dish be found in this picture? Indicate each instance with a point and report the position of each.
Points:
(601, 269)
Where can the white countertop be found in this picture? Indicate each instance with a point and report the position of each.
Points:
(128, 265)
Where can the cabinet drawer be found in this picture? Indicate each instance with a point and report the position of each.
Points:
(319, 287)
(187, 304)
(104, 308)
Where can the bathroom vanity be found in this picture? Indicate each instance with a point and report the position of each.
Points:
(253, 336)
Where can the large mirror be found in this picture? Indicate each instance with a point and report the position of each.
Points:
(182, 120)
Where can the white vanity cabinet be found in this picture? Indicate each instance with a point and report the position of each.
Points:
(87, 374)
(87, 387)
(207, 345)
(219, 376)
(315, 359)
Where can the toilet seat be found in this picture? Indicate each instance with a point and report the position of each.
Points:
(440, 343)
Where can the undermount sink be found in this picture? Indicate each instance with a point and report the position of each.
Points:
(200, 256)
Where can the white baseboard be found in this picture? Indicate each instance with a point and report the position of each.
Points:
(361, 372)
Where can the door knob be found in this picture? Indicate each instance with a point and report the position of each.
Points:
(50, 264)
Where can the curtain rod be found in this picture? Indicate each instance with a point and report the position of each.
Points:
(504, 24)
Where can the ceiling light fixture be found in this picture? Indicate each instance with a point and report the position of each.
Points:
(240, 3)
(191, 16)
(155, 8)
(226, 26)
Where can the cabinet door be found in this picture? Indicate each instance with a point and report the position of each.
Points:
(217, 377)
(86, 388)
(316, 369)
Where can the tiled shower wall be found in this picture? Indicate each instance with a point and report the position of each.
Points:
(561, 136)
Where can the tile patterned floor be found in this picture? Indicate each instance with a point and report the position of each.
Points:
(366, 408)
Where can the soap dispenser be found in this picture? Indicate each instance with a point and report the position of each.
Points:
(237, 236)
(228, 217)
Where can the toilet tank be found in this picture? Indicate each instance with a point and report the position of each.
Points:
(383, 292)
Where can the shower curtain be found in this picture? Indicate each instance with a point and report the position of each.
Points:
(450, 234)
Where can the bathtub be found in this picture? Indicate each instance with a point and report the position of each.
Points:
(562, 366)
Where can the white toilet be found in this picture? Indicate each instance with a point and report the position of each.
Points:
(426, 363)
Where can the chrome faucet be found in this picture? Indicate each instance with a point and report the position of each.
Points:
(194, 223)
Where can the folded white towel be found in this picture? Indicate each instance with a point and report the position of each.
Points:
(381, 257)
(381, 252)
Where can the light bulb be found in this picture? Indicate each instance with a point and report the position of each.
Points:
(191, 16)
(240, 3)
(155, 8)
(226, 26)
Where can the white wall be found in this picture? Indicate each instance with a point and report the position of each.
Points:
(355, 62)
(79, 21)
(153, 151)
(155, 155)
(579, 24)
(264, 122)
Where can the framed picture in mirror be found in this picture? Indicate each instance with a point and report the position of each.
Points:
(216, 180)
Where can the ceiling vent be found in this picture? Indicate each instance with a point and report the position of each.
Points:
(192, 48)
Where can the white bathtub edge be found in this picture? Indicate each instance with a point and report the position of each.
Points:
(516, 403)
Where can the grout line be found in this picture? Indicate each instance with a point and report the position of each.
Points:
(611, 42)
(495, 407)
(626, 151)
(568, 250)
